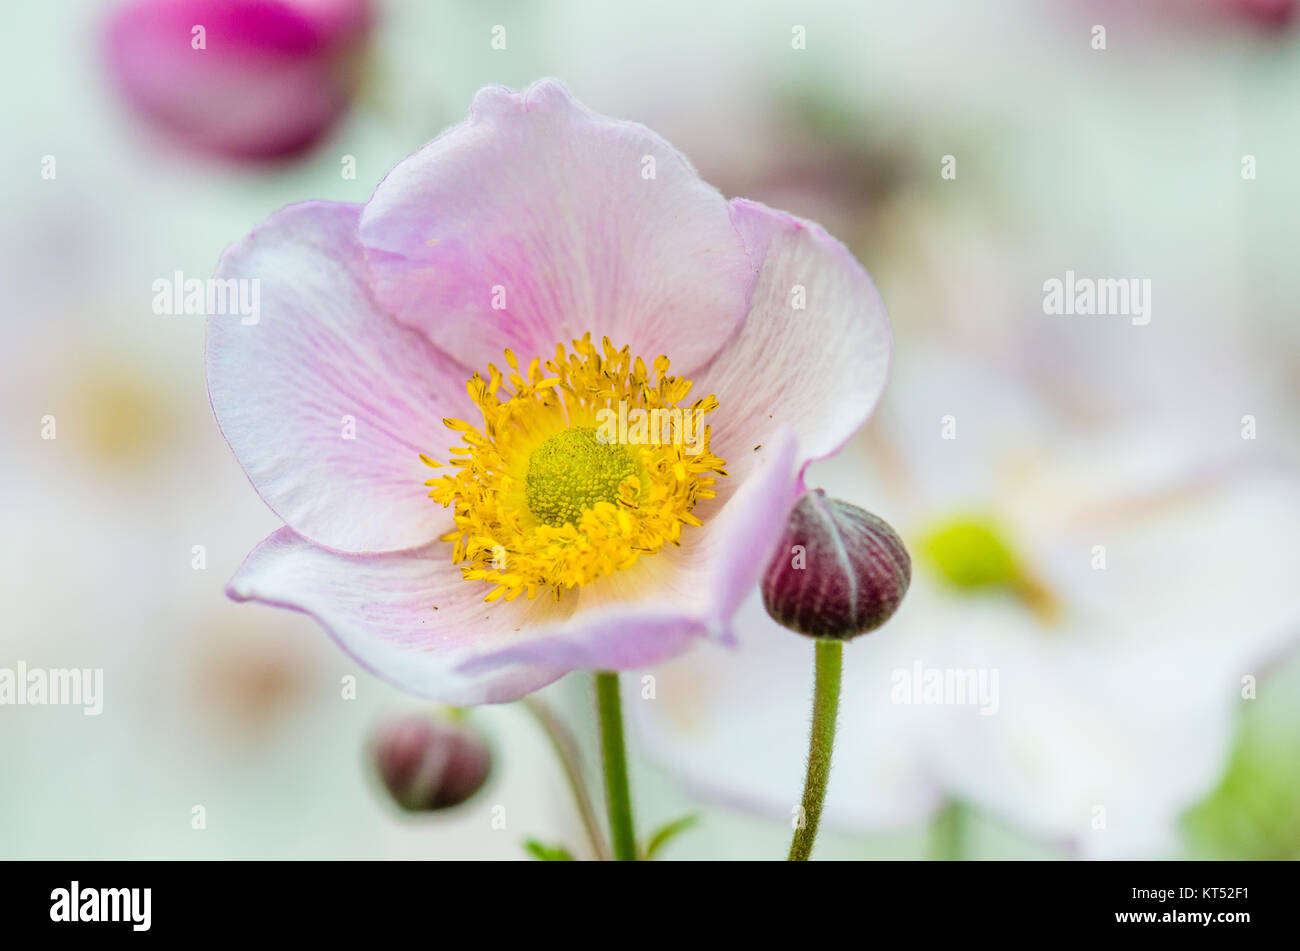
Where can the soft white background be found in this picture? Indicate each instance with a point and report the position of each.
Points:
(1117, 163)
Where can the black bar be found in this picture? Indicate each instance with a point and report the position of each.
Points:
(869, 899)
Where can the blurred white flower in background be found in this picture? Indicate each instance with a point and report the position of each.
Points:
(1116, 686)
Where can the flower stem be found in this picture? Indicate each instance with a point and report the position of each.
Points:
(826, 704)
(948, 832)
(566, 748)
(618, 796)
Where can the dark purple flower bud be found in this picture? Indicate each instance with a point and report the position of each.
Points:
(839, 571)
(426, 763)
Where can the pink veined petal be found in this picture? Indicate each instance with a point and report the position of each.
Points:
(820, 368)
(326, 402)
(407, 616)
(657, 608)
(537, 221)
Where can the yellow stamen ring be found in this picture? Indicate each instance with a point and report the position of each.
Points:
(556, 489)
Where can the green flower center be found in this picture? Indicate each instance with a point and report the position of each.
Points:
(971, 553)
(571, 472)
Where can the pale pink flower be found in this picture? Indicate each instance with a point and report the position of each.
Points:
(534, 225)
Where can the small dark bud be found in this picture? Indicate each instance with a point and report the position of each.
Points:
(427, 763)
(839, 571)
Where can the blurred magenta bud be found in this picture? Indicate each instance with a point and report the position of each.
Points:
(839, 571)
(245, 79)
(1274, 13)
(1205, 14)
(426, 763)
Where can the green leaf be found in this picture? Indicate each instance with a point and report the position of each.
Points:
(547, 853)
(669, 831)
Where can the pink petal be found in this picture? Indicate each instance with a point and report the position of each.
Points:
(271, 80)
(820, 370)
(407, 616)
(282, 388)
(656, 609)
(540, 200)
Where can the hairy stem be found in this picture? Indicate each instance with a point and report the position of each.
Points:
(821, 742)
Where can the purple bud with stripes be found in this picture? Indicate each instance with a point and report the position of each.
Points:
(839, 571)
(428, 764)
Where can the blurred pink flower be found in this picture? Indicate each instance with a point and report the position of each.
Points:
(534, 224)
(248, 79)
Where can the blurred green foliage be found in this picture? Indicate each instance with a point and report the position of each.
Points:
(1254, 813)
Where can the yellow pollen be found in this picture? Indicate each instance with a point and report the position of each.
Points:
(573, 470)
(582, 465)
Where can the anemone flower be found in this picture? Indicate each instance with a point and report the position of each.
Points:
(1088, 610)
(607, 504)
(245, 79)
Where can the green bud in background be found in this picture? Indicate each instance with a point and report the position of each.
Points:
(971, 553)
